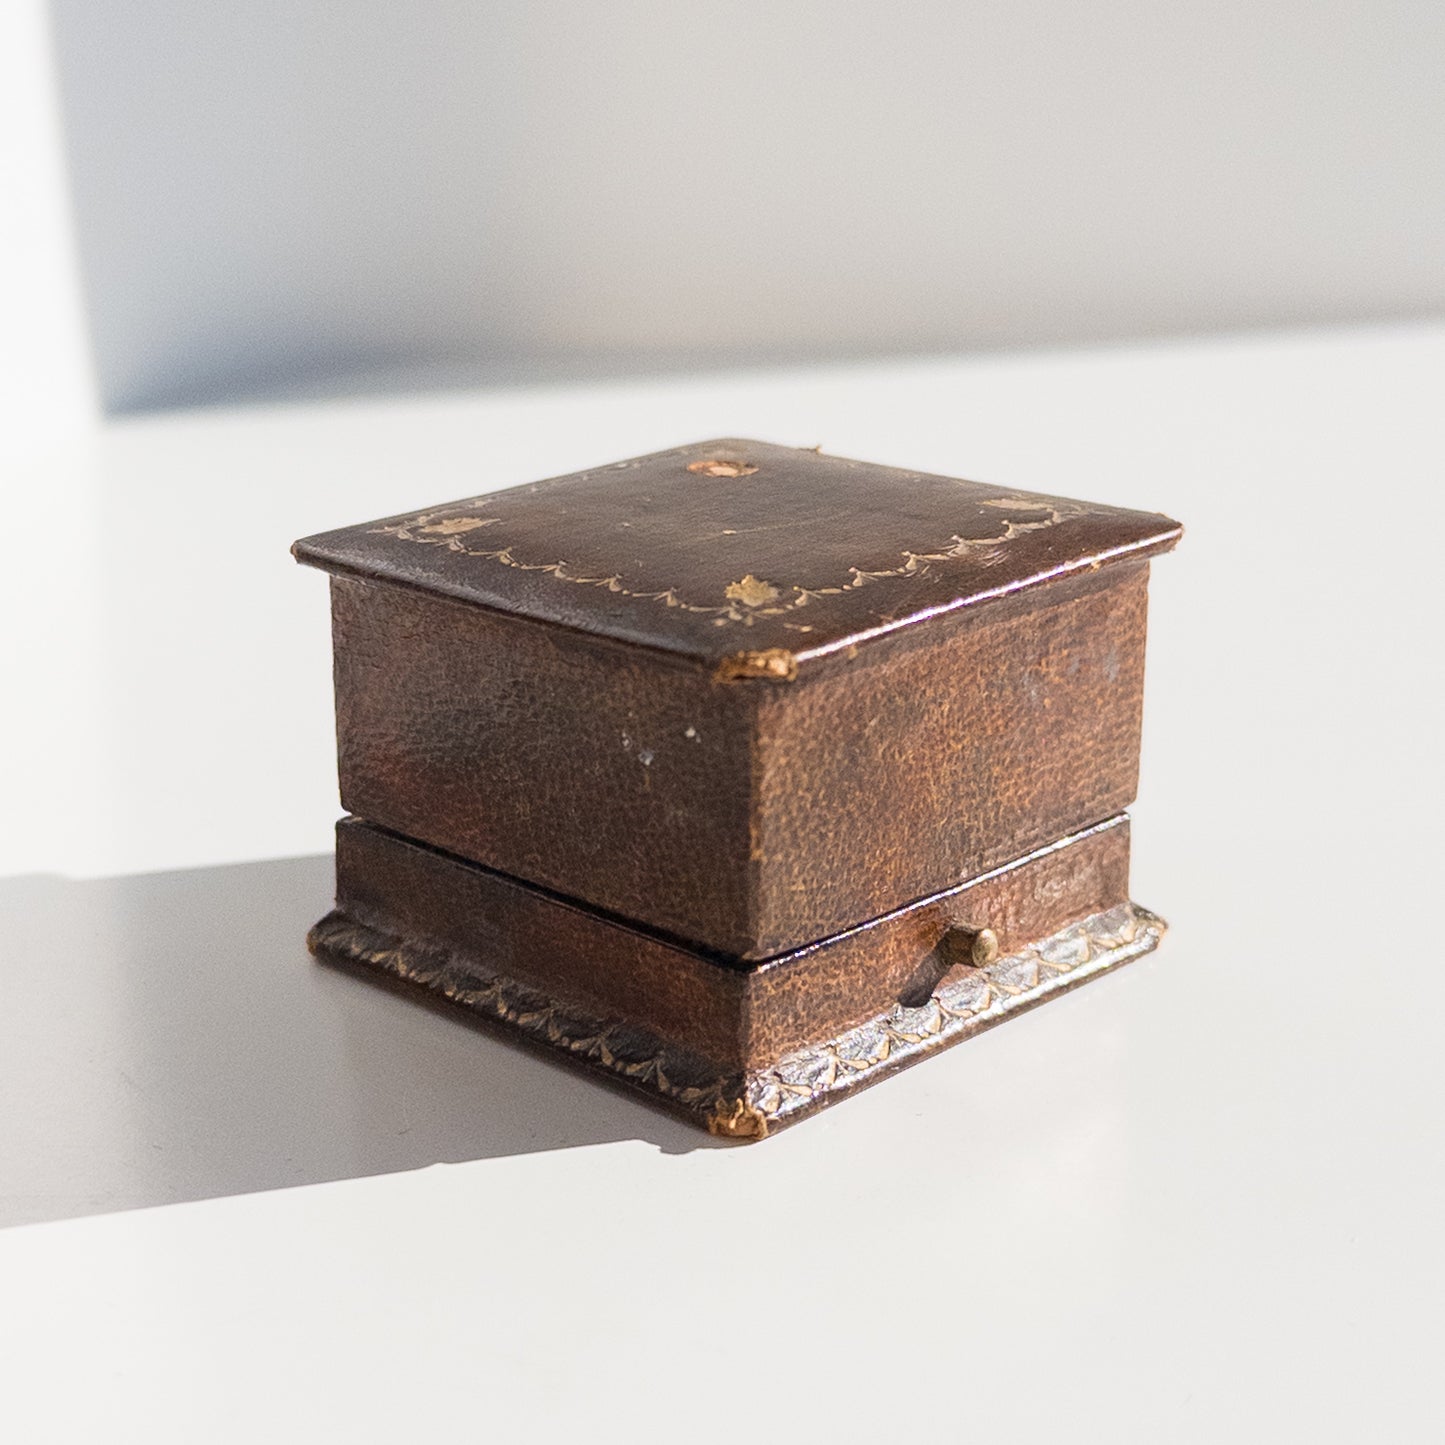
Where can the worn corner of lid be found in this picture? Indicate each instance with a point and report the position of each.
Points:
(772, 664)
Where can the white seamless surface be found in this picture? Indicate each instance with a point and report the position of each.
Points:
(1197, 1201)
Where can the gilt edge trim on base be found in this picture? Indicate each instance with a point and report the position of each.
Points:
(755, 1104)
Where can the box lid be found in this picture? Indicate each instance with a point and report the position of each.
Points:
(746, 557)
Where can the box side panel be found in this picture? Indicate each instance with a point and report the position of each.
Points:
(602, 772)
(898, 775)
(824, 991)
(571, 955)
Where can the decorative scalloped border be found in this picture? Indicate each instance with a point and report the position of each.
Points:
(750, 597)
(753, 1105)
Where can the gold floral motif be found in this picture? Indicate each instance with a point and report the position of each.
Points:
(721, 467)
(751, 591)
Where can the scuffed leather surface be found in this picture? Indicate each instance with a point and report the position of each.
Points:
(746, 818)
(892, 778)
(605, 773)
(744, 695)
(804, 553)
(740, 1015)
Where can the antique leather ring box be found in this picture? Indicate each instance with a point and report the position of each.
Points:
(740, 774)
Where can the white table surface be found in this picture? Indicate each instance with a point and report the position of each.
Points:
(1201, 1200)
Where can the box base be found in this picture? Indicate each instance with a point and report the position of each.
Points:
(753, 1103)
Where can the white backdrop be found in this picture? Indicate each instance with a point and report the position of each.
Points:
(1198, 1203)
(46, 392)
(276, 194)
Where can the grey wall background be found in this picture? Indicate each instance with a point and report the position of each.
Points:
(280, 194)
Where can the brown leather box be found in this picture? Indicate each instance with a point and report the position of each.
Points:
(742, 773)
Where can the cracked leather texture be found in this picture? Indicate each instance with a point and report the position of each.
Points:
(744, 695)
(744, 818)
